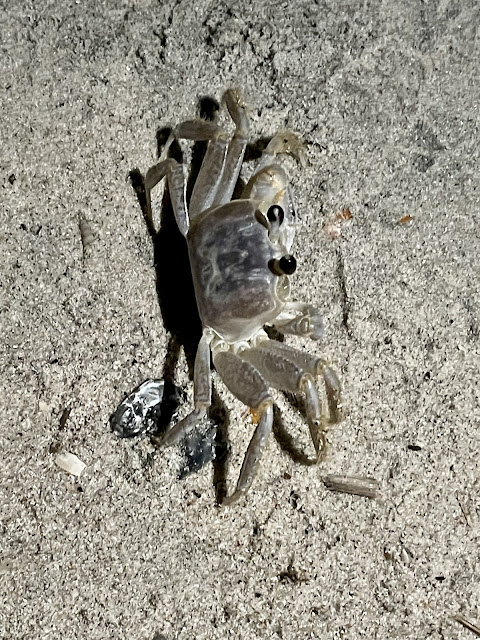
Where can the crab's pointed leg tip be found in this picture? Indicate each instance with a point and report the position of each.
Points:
(232, 499)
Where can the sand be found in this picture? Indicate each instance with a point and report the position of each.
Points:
(385, 97)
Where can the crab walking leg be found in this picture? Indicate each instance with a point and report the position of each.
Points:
(316, 366)
(253, 455)
(282, 373)
(249, 386)
(211, 171)
(315, 418)
(236, 147)
(300, 319)
(334, 393)
(202, 393)
(176, 187)
(202, 379)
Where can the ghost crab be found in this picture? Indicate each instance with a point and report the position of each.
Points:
(241, 262)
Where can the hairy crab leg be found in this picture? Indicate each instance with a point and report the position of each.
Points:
(249, 386)
(202, 392)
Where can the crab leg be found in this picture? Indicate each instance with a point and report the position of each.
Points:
(209, 176)
(300, 319)
(210, 173)
(282, 142)
(254, 452)
(315, 418)
(316, 366)
(176, 187)
(221, 165)
(283, 373)
(236, 147)
(202, 393)
(249, 386)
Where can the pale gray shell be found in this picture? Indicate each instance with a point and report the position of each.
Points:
(236, 291)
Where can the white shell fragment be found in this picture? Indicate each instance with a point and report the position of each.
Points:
(365, 487)
(70, 463)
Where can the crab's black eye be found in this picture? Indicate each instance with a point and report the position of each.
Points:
(275, 214)
(285, 266)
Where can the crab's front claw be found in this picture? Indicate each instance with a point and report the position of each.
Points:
(300, 319)
(289, 143)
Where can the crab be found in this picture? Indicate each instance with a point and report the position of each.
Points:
(241, 263)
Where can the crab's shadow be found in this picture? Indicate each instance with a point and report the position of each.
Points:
(178, 307)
